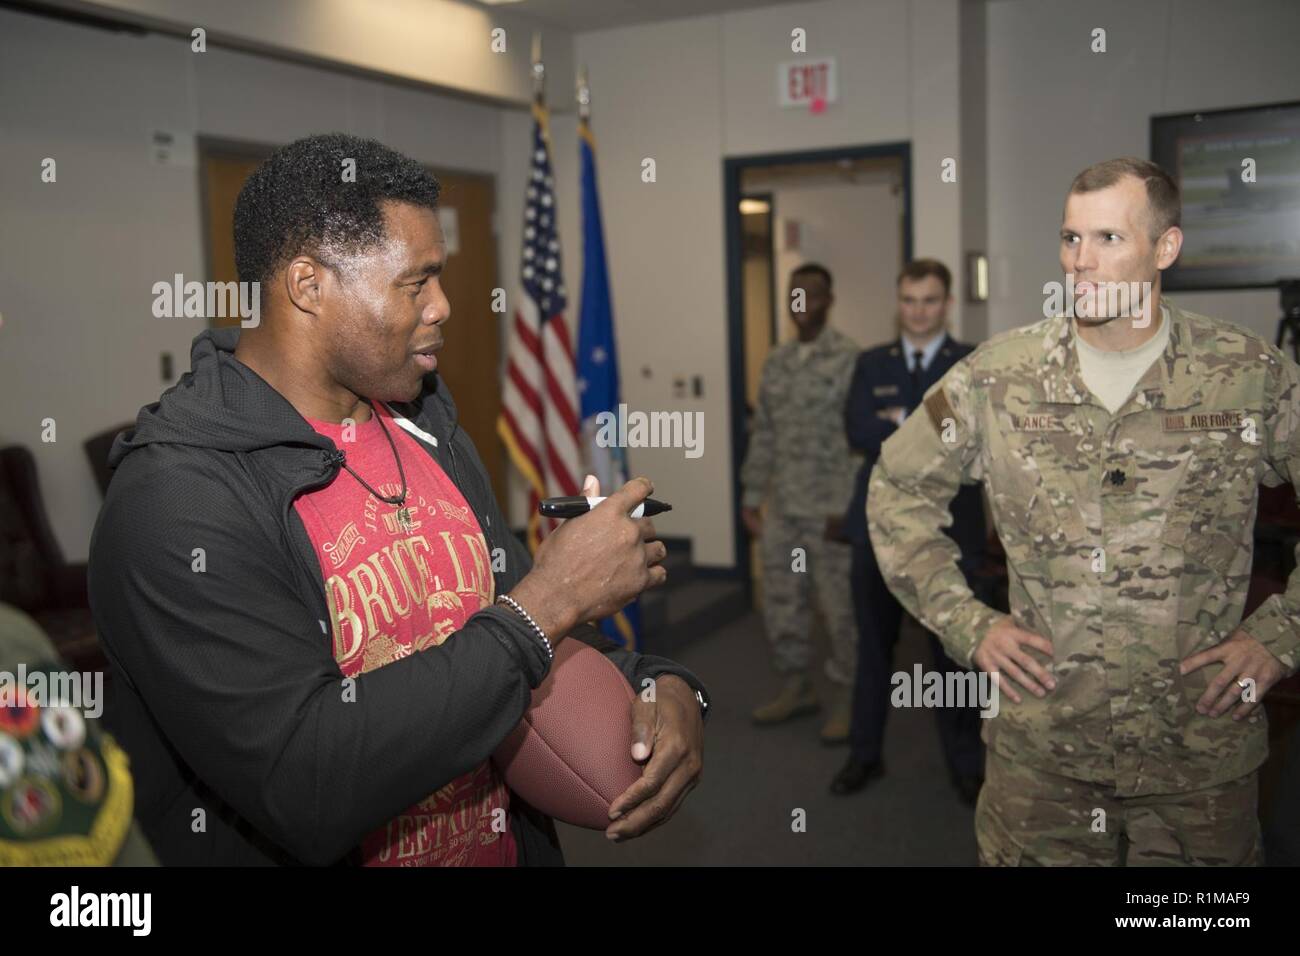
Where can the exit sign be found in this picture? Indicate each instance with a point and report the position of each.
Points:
(805, 82)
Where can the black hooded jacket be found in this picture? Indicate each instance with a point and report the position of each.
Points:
(211, 607)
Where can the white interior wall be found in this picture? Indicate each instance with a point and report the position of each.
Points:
(450, 44)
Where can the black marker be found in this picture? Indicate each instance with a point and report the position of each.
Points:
(575, 505)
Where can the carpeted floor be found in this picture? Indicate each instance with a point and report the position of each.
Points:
(754, 780)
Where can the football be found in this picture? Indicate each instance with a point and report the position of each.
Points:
(570, 757)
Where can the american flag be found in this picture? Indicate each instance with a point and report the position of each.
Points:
(539, 408)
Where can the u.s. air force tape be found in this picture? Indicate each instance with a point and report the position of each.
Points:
(937, 407)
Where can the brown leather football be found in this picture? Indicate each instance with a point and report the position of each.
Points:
(570, 756)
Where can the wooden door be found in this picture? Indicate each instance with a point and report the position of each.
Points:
(470, 360)
(222, 173)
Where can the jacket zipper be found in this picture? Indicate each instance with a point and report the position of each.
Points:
(313, 575)
(485, 525)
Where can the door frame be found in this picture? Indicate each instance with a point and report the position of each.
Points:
(732, 169)
(769, 198)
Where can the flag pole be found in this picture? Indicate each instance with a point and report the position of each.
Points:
(539, 87)
(596, 353)
(539, 70)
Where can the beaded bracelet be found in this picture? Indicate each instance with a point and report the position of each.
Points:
(513, 604)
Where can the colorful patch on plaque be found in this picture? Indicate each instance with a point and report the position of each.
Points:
(66, 795)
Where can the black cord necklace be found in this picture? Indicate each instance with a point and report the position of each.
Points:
(403, 512)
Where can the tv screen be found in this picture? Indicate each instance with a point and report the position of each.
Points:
(1239, 172)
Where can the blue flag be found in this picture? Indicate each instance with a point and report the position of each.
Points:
(598, 365)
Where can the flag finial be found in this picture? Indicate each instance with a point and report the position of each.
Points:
(584, 96)
(539, 70)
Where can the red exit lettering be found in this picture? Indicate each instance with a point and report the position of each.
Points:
(808, 82)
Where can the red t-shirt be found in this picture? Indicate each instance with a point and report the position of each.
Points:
(395, 589)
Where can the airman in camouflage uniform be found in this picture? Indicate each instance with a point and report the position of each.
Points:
(1122, 459)
(1129, 542)
(799, 463)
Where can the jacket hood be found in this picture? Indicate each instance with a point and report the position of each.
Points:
(221, 404)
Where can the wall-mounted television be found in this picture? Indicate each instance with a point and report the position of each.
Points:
(1239, 172)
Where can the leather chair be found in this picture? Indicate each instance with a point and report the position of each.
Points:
(33, 573)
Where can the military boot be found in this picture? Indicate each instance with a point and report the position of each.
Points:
(836, 728)
(797, 698)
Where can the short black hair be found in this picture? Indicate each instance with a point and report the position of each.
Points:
(817, 269)
(299, 201)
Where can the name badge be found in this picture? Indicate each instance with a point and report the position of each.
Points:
(1037, 423)
(882, 390)
(1204, 422)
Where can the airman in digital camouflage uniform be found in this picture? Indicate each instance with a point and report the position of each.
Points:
(1124, 490)
(799, 463)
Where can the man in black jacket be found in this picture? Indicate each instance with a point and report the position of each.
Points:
(212, 586)
(888, 384)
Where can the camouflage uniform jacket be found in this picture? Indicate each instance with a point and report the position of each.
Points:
(798, 450)
(1129, 540)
